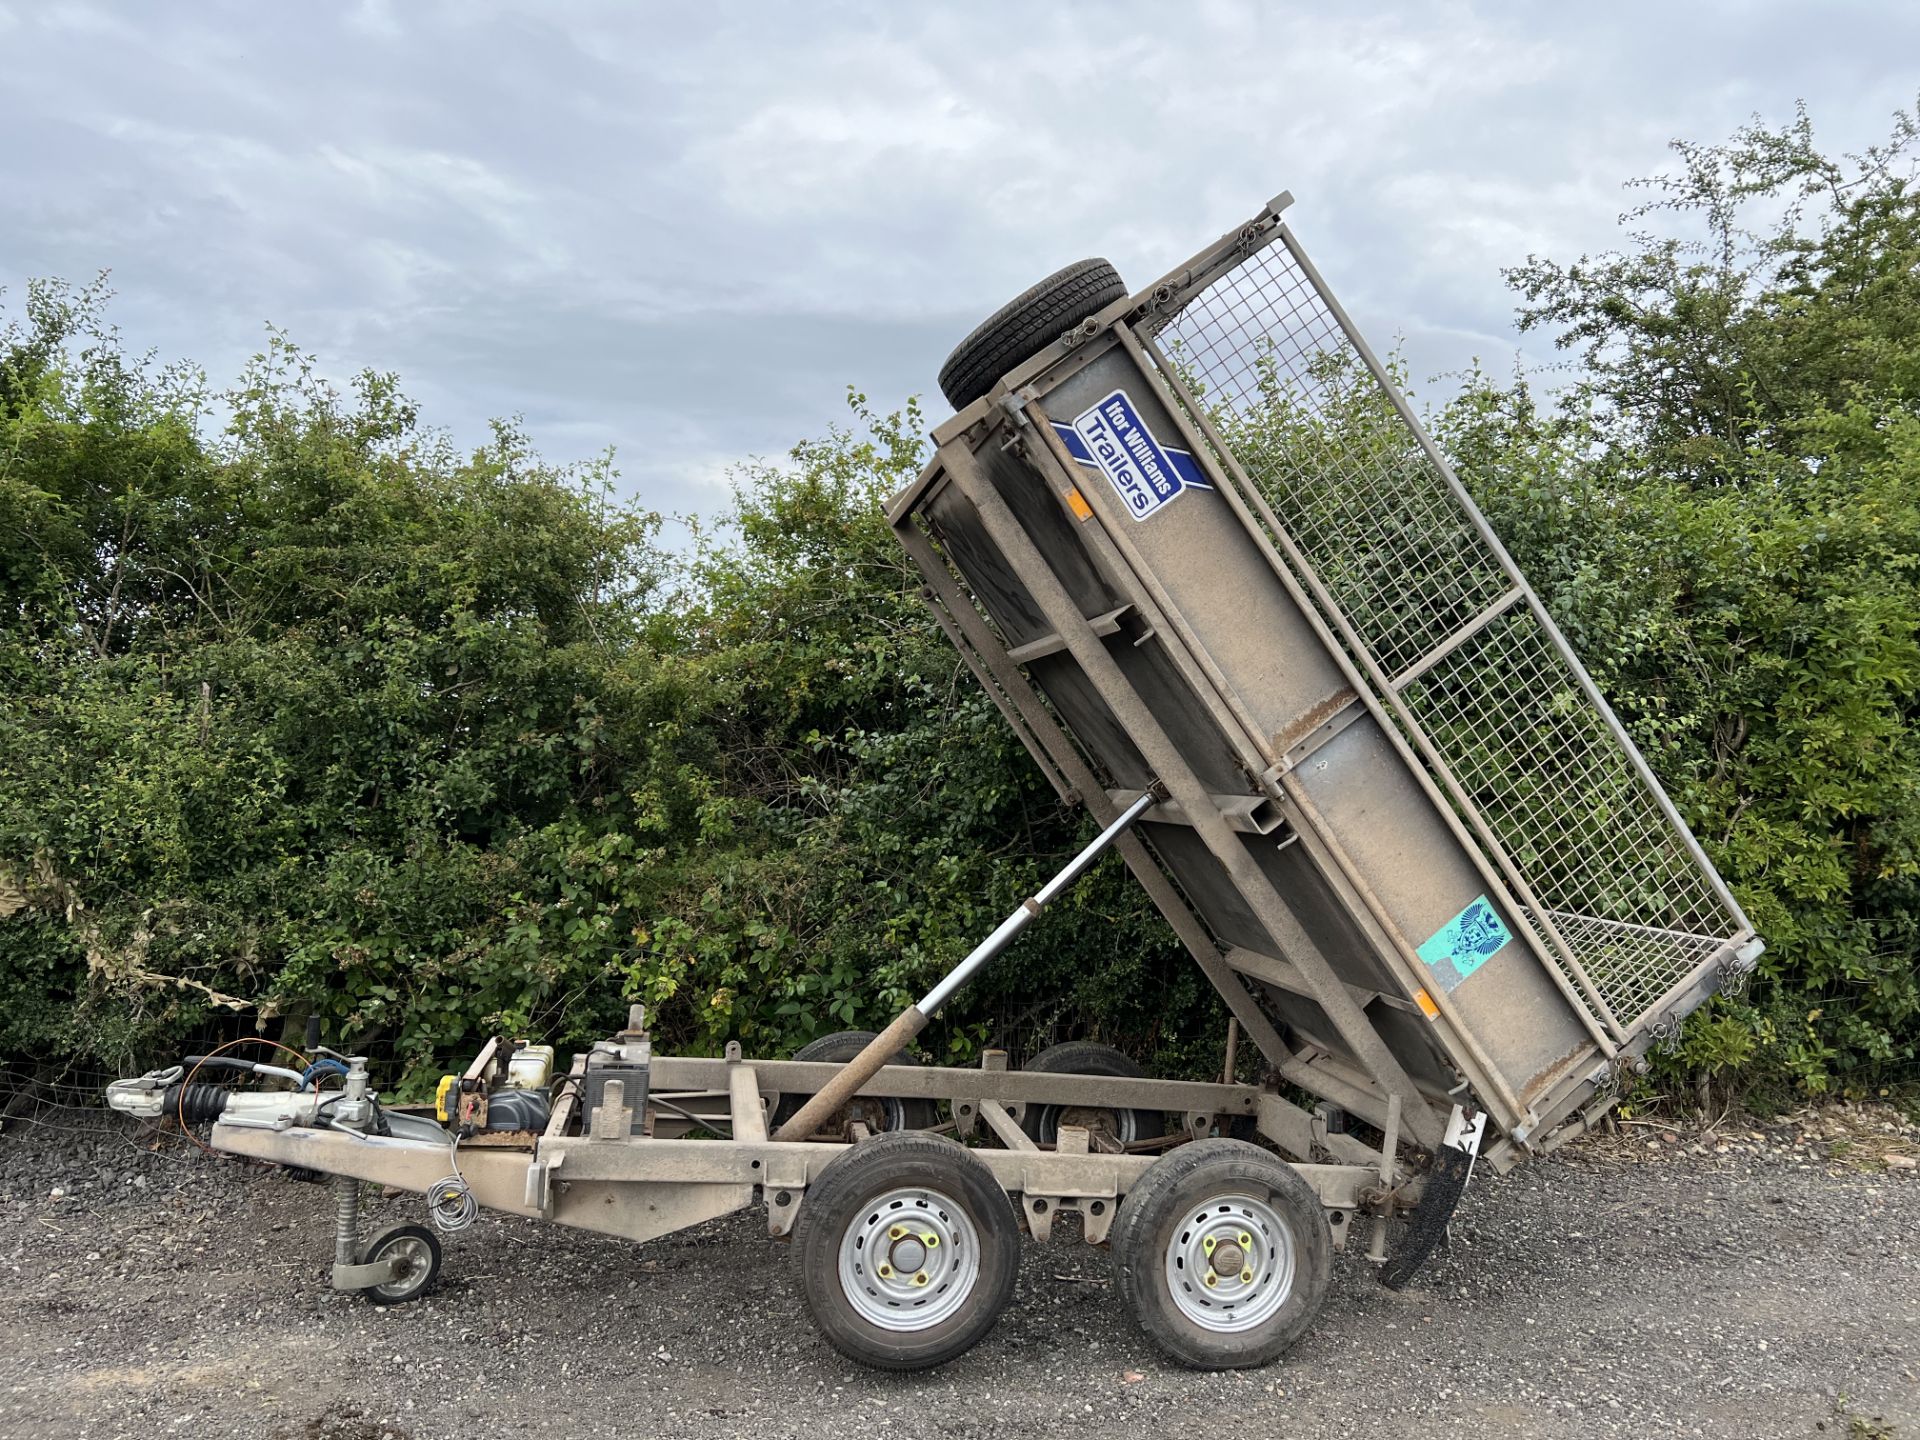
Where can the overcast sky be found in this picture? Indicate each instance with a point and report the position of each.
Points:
(683, 230)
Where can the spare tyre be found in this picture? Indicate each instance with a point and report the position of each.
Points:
(1025, 325)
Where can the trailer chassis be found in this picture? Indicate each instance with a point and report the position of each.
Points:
(640, 1187)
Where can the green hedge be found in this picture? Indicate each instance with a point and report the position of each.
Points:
(303, 710)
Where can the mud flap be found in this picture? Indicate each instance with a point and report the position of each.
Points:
(1446, 1182)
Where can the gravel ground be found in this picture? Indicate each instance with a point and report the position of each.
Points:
(1745, 1283)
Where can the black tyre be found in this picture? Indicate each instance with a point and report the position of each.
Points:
(877, 1112)
(1022, 326)
(1224, 1254)
(908, 1249)
(415, 1250)
(1086, 1057)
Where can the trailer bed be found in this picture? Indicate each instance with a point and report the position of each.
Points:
(1203, 541)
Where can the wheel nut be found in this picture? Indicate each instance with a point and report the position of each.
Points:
(1212, 1280)
(885, 1272)
(1246, 1240)
(1207, 1243)
(1246, 1277)
(921, 1278)
(932, 1242)
(896, 1232)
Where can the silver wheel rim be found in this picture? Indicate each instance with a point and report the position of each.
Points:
(917, 1228)
(1229, 1264)
(414, 1260)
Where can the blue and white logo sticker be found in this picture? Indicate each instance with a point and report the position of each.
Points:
(1464, 944)
(1113, 439)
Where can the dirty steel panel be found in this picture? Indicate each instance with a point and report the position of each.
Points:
(1327, 917)
(1309, 896)
(1377, 811)
(953, 523)
(957, 527)
(1180, 712)
(1086, 715)
(1207, 886)
(1140, 655)
(1308, 1025)
(1040, 516)
(1410, 1034)
(1213, 573)
(1214, 576)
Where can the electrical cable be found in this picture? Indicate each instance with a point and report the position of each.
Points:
(450, 1203)
(180, 1111)
(310, 1077)
(706, 1122)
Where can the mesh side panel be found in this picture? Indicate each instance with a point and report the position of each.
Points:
(1551, 781)
(1396, 548)
(1311, 426)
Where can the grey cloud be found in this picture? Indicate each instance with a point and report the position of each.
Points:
(682, 231)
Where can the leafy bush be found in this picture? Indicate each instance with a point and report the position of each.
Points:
(304, 711)
(316, 715)
(1724, 515)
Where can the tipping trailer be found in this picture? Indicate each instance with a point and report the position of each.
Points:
(1200, 552)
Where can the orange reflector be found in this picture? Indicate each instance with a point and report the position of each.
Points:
(1425, 1002)
(1077, 503)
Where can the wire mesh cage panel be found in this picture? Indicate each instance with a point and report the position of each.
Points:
(1434, 611)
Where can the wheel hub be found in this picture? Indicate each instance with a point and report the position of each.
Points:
(1229, 1263)
(1098, 1122)
(909, 1252)
(1226, 1259)
(407, 1258)
(909, 1259)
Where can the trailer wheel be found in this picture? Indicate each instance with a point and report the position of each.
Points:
(908, 1250)
(1085, 1057)
(876, 1112)
(1024, 325)
(416, 1252)
(1224, 1254)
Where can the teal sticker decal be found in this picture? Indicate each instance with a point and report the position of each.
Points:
(1465, 943)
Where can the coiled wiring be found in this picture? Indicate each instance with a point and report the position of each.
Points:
(450, 1202)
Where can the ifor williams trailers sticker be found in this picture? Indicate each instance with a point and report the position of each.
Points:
(1112, 438)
